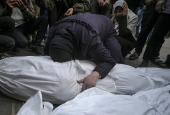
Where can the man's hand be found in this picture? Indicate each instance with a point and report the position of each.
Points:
(100, 2)
(69, 12)
(11, 3)
(21, 5)
(160, 6)
(125, 9)
(89, 81)
(106, 3)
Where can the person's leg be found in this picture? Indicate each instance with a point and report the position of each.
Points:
(94, 7)
(6, 43)
(39, 24)
(19, 37)
(7, 25)
(138, 25)
(54, 15)
(126, 46)
(114, 47)
(148, 21)
(161, 28)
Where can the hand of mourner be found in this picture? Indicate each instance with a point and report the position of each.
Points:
(89, 81)
(100, 2)
(125, 9)
(11, 3)
(106, 3)
(21, 5)
(160, 6)
(69, 12)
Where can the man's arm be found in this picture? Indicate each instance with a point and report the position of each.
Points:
(101, 56)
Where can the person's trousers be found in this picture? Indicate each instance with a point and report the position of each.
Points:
(126, 46)
(55, 15)
(149, 19)
(6, 43)
(161, 28)
(27, 28)
(7, 25)
(96, 9)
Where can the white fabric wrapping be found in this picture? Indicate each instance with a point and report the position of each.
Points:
(95, 101)
(22, 77)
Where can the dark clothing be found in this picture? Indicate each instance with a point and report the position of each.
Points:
(96, 9)
(97, 39)
(7, 26)
(6, 43)
(66, 46)
(125, 38)
(27, 28)
(149, 19)
(55, 15)
(161, 28)
(58, 8)
(134, 5)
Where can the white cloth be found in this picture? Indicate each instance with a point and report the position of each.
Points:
(22, 77)
(95, 101)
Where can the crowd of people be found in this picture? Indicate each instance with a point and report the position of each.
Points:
(104, 31)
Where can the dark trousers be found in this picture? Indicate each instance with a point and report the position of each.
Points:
(96, 9)
(7, 26)
(56, 14)
(27, 28)
(149, 19)
(161, 28)
(126, 46)
(6, 43)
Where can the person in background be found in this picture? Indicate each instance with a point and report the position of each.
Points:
(148, 21)
(81, 37)
(7, 26)
(125, 25)
(23, 13)
(103, 7)
(134, 5)
(59, 9)
(161, 28)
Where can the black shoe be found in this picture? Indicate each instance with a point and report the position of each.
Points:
(29, 46)
(144, 63)
(38, 50)
(4, 55)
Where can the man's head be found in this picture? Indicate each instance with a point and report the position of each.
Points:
(64, 46)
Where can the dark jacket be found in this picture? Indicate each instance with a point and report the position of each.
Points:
(92, 32)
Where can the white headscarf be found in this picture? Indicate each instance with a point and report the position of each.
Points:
(131, 19)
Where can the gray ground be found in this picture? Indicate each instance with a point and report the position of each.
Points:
(10, 106)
